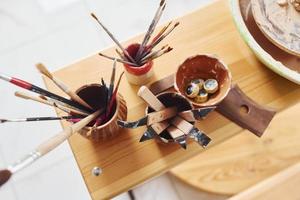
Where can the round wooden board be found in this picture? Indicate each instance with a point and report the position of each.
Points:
(245, 159)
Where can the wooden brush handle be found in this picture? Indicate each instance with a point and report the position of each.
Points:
(56, 140)
(29, 97)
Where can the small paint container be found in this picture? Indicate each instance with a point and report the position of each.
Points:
(138, 75)
(94, 95)
(204, 67)
(171, 99)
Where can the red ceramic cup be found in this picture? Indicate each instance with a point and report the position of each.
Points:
(138, 75)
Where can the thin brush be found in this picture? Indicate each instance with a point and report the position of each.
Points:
(121, 55)
(155, 38)
(151, 29)
(158, 54)
(111, 85)
(118, 60)
(49, 102)
(44, 148)
(28, 86)
(113, 38)
(36, 119)
(43, 70)
(153, 53)
(163, 36)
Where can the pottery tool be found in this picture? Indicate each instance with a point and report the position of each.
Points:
(43, 70)
(119, 60)
(44, 148)
(167, 113)
(151, 28)
(36, 119)
(113, 38)
(28, 86)
(49, 102)
(151, 118)
(182, 125)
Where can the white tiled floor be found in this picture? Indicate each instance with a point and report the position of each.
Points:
(58, 33)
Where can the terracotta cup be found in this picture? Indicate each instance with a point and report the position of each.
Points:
(138, 75)
(171, 99)
(94, 95)
(204, 67)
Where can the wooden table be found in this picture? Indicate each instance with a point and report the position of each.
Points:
(126, 162)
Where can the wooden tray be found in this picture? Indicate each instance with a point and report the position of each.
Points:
(126, 162)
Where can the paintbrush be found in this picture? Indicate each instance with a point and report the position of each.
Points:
(151, 29)
(111, 85)
(37, 119)
(147, 49)
(113, 38)
(43, 70)
(153, 53)
(163, 36)
(158, 54)
(118, 60)
(121, 55)
(44, 148)
(28, 86)
(46, 101)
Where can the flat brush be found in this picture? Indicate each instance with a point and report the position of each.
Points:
(36, 119)
(113, 38)
(44, 148)
(36, 89)
(118, 60)
(43, 70)
(46, 101)
(151, 28)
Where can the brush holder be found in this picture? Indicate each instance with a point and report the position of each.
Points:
(138, 75)
(94, 95)
(171, 99)
(204, 67)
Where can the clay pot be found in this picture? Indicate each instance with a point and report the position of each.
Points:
(204, 67)
(138, 75)
(94, 95)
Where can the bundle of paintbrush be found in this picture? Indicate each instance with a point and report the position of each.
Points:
(74, 106)
(110, 96)
(146, 50)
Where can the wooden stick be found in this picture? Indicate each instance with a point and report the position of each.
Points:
(43, 70)
(45, 148)
(121, 55)
(118, 60)
(151, 28)
(158, 54)
(50, 103)
(113, 38)
(161, 32)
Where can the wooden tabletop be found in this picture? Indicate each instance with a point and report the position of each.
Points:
(126, 162)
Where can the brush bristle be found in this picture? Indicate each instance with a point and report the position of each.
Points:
(4, 176)
(43, 97)
(94, 16)
(43, 70)
(162, 2)
(3, 121)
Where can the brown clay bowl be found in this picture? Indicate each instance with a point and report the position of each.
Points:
(205, 67)
(94, 95)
